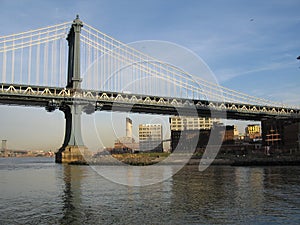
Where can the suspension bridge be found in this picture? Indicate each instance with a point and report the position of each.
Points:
(92, 71)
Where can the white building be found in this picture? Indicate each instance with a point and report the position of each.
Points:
(191, 123)
(150, 137)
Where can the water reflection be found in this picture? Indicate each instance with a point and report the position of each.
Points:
(218, 194)
(282, 184)
(202, 194)
(249, 191)
(45, 193)
(136, 175)
(72, 177)
(88, 198)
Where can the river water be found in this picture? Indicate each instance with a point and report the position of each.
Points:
(38, 191)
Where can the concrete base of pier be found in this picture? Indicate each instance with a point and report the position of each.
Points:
(73, 154)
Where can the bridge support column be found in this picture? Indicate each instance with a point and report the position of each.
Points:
(73, 148)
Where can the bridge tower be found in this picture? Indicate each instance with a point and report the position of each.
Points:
(73, 148)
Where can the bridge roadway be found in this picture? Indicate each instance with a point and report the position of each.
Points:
(53, 98)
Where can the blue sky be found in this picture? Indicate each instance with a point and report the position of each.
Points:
(251, 46)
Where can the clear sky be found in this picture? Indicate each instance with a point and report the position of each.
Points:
(251, 46)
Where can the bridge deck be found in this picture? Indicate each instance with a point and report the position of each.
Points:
(54, 97)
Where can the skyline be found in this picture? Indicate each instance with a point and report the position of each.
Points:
(251, 47)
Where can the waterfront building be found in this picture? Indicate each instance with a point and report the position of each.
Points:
(191, 123)
(150, 137)
(253, 131)
(198, 138)
(236, 133)
(190, 132)
(282, 135)
(125, 144)
(291, 136)
(229, 136)
(189, 139)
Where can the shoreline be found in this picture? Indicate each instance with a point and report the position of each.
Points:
(252, 161)
(229, 160)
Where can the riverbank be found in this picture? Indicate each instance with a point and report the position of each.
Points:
(252, 160)
(145, 159)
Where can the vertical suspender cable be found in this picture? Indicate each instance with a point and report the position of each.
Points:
(96, 64)
(53, 63)
(38, 62)
(21, 64)
(109, 71)
(46, 81)
(29, 62)
(110, 68)
(54, 53)
(101, 65)
(60, 64)
(103, 68)
(85, 52)
(114, 70)
(4, 63)
(64, 63)
(118, 71)
(52, 74)
(13, 62)
(87, 67)
(83, 63)
(136, 85)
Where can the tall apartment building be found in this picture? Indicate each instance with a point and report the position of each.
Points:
(191, 123)
(150, 136)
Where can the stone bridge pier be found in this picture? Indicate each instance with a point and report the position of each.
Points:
(73, 148)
